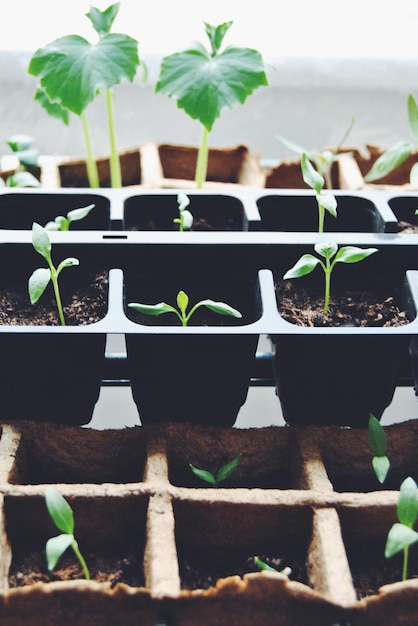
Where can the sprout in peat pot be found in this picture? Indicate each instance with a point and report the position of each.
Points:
(402, 534)
(185, 218)
(40, 278)
(325, 201)
(206, 81)
(63, 223)
(222, 474)
(307, 263)
(63, 518)
(286, 571)
(378, 444)
(183, 303)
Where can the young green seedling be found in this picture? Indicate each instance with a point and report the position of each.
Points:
(206, 81)
(324, 159)
(63, 223)
(21, 146)
(402, 535)
(40, 278)
(307, 263)
(315, 180)
(397, 154)
(286, 571)
(224, 472)
(185, 218)
(73, 71)
(63, 518)
(378, 444)
(182, 304)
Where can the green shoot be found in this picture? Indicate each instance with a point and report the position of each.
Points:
(63, 223)
(324, 159)
(307, 263)
(378, 444)
(182, 304)
(185, 218)
(286, 571)
(87, 64)
(40, 278)
(63, 518)
(397, 154)
(222, 474)
(206, 81)
(21, 146)
(325, 201)
(402, 535)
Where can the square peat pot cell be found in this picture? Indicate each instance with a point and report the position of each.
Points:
(339, 367)
(19, 210)
(384, 598)
(50, 372)
(211, 212)
(347, 456)
(110, 532)
(299, 213)
(47, 454)
(405, 207)
(200, 373)
(269, 459)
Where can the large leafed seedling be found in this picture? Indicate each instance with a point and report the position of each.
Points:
(402, 534)
(315, 180)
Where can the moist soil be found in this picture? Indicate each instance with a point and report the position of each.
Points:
(203, 574)
(84, 306)
(372, 572)
(304, 307)
(28, 569)
(216, 223)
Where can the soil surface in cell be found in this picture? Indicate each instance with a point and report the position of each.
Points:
(304, 307)
(372, 572)
(215, 223)
(406, 228)
(84, 306)
(28, 569)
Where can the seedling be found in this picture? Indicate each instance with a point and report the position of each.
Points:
(307, 263)
(63, 223)
(40, 278)
(224, 472)
(182, 304)
(402, 534)
(324, 159)
(185, 218)
(315, 180)
(73, 71)
(206, 81)
(378, 444)
(63, 518)
(286, 571)
(397, 154)
(21, 146)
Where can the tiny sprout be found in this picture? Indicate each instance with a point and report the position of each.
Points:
(286, 571)
(63, 223)
(63, 518)
(40, 278)
(224, 472)
(378, 444)
(325, 201)
(183, 303)
(185, 218)
(402, 535)
(307, 263)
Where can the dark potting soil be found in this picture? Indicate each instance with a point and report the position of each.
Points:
(304, 307)
(202, 574)
(406, 228)
(30, 568)
(84, 306)
(215, 223)
(371, 570)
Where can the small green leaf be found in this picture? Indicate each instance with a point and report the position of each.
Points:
(352, 254)
(377, 436)
(19, 143)
(399, 537)
(40, 240)
(55, 548)
(182, 301)
(68, 262)
(102, 20)
(381, 466)
(23, 179)
(408, 502)
(220, 307)
(264, 566)
(413, 117)
(389, 161)
(59, 510)
(203, 475)
(37, 284)
(151, 309)
(183, 201)
(326, 249)
(79, 214)
(305, 265)
(328, 202)
(216, 34)
(310, 175)
(227, 469)
(187, 219)
(54, 109)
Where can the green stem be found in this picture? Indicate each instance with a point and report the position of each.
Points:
(321, 215)
(91, 165)
(54, 280)
(83, 564)
(202, 159)
(115, 171)
(405, 563)
(327, 286)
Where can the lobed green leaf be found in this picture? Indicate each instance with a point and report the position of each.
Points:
(102, 20)
(216, 34)
(54, 109)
